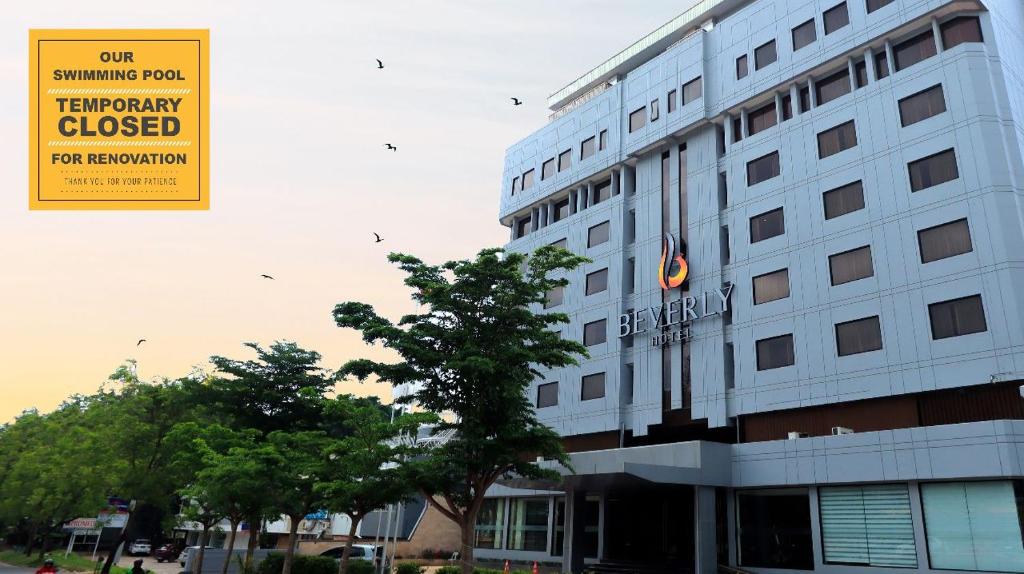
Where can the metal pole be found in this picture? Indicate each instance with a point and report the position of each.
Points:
(387, 533)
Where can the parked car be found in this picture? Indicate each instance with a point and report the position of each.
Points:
(183, 557)
(359, 552)
(140, 547)
(166, 553)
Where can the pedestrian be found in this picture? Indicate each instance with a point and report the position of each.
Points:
(137, 567)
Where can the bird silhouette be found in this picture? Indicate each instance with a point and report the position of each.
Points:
(378, 238)
(266, 276)
(141, 341)
(516, 102)
(380, 65)
(390, 147)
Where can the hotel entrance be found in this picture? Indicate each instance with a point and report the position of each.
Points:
(651, 526)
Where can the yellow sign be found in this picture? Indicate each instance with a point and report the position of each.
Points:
(119, 119)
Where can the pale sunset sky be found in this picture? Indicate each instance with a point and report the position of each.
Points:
(299, 177)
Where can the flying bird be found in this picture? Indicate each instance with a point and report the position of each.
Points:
(378, 238)
(141, 341)
(266, 277)
(516, 102)
(390, 147)
(380, 65)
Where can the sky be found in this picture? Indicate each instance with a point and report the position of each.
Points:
(300, 180)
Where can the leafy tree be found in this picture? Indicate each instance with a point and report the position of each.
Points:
(473, 352)
(301, 467)
(365, 468)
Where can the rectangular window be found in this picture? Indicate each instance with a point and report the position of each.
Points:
(763, 168)
(598, 234)
(957, 317)
(630, 275)
(522, 227)
(490, 523)
(602, 138)
(597, 282)
(837, 139)
(775, 352)
(761, 119)
(922, 105)
(627, 383)
(805, 99)
(554, 297)
(637, 119)
(765, 54)
(515, 184)
(547, 395)
(832, 87)
(787, 107)
(767, 225)
(561, 243)
(836, 17)
(631, 223)
(881, 64)
(851, 265)
(527, 180)
(693, 90)
(671, 101)
(588, 148)
(592, 387)
(946, 240)
(933, 170)
(974, 525)
(561, 209)
(960, 30)
(860, 71)
(737, 129)
(914, 50)
(860, 336)
(876, 4)
(528, 524)
(804, 35)
(595, 333)
(564, 160)
(868, 525)
(843, 200)
(602, 191)
(774, 528)
(654, 111)
(771, 286)
(741, 67)
(547, 169)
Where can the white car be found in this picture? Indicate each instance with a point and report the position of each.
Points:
(359, 552)
(183, 557)
(140, 547)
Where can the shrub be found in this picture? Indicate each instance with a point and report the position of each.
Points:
(409, 568)
(356, 566)
(448, 570)
(301, 564)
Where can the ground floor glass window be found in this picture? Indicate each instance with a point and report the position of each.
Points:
(974, 525)
(867, 525)
(490, 522)
(775, 528)
(528, 524)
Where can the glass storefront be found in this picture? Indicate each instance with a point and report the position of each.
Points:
(775, 528)
(528, 524)
(868, 525)
(490, 523)
(974, 525)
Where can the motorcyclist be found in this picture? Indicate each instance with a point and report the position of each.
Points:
(47, 568)
(137, 568)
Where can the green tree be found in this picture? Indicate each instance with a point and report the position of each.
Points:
(473, 352)
(366, 467)
(302, 466)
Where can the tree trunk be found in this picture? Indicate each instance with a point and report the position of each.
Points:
(466, 551)
(231, 547)
(30, 544)
(45, 546)
(343, 565)
(250, 547)
(289, 553)
(204, 539)
(121, 538)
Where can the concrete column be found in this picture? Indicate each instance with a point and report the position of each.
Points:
(814, 96)
(794, 99)
(534, 219)
(630, 179)
(551, 212)
(819, 555)
(616, 188)
(778, 108)
(591, 194)
(572, 202)
(744, 123)
(728, 130)
(730, 514)
(890, 58)
(869, 61)
(575, 525)
(937, 35)
(582, 193)
(853, 74)
(917, 515)
(705, 556)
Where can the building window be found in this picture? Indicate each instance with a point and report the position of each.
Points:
(860, 336)
(561, 243)
(914, 50)
(597, 282)
(741, 67)
(630, 275)
(805, 99)
(933, 170)
(860, 73)
(522, 227)
(843, 200)
(960, 30)
(602, 191)
(774, 528)
(627, 383)
(881, 65)
(787, 107)
(554, 297)
(761, 119)
(804, 35)
(837, 139)
(868, 525)
(832, 87)
(946, 240)
(737, 129)
(654, 111)
(528, 524)
(490, 523)
(767, 225)
(637, 119)
(974, 525)
(851, 265)
(836, 17)
(527, 180)
(564, 160)
(602, 138)
(957, 317)
(693, 90)
(547, 395)
(771, 286)
(876, 4)
(561, 209)
(595, 333)
(765, 54)
(515, 184)
(592, 387)
(922, 105)
(763, 168)
(775, 352)
(547, 169)
(598, 234)
(588, 148)
(671, 101)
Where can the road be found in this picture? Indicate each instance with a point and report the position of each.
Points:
(5, 569)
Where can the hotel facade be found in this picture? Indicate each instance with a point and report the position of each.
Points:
(803, 309)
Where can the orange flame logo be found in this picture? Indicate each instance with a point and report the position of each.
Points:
(671, 258)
